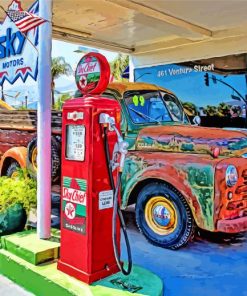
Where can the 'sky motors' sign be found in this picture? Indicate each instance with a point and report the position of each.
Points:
(18, 57)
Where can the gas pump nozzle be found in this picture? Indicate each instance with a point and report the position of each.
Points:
(122, 145)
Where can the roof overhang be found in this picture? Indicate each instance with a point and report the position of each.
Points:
(178, 30)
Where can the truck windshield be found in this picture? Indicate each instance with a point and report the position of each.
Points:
(152, 107)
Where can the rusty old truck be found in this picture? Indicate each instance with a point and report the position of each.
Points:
(179, 176)
(18, 141)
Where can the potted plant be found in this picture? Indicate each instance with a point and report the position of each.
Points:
(17, 197)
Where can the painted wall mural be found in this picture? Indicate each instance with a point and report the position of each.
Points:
(204, 89)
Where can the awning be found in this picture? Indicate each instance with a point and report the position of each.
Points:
(153, 31)
(146, 26)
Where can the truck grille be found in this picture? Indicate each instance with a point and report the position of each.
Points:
(242, 189)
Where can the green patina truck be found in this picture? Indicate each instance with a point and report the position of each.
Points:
(178, 175)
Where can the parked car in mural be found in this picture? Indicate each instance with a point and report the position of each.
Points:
(178, 175)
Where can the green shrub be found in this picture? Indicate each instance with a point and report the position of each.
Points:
(19, 190)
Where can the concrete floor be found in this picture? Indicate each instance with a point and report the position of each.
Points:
(8, 288)
(208, 266)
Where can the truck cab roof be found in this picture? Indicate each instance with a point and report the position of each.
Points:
(122, 87)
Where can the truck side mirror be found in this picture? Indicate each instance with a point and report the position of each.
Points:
(197, 120)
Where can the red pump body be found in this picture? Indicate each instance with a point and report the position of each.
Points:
(87, 198)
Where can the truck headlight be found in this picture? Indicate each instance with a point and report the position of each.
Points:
(231, 176)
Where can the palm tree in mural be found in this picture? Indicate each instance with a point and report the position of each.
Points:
(189, 108)
(118, 65)
(223, 109)
(211, 110)
(59, 67)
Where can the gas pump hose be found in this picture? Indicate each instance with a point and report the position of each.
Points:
(117, 210)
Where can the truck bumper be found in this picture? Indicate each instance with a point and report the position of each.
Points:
(232, 226)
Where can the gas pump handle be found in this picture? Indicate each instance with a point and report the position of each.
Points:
(122, 145)
(105, 118)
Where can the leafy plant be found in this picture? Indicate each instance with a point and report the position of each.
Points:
(210, 110)
(60, 101)
(22, 108)
(190, 108)
(118, 66)
(59, 67)
(19, 190)
(223, 109)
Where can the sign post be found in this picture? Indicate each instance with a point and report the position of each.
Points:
(44, 122)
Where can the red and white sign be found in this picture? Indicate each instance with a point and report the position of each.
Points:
(88, 67)
(70, 211)
(74, 195)
(92, 73)
(75, 115)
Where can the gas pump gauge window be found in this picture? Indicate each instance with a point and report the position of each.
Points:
(75, 142)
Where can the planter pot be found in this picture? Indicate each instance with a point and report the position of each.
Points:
(12, 220)
(32, 218)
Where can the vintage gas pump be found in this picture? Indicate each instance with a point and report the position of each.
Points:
(93, 153)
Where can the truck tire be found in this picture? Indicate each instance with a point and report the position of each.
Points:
(12, 169)
(55, 158)
(163, 216)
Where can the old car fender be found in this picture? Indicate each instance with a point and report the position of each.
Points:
(178, 181)
(18, 154)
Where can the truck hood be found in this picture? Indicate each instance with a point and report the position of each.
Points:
(192, 139)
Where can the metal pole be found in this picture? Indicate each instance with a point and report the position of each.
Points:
(3, 98)
(131, 69)
(233, 88)
(44, 123)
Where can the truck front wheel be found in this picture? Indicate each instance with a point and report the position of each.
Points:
(163, 216)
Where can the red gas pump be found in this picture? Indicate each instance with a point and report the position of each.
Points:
(90, 238)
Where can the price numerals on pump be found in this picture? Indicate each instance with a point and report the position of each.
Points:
(75, 149)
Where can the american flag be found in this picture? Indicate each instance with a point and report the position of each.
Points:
(24, 20)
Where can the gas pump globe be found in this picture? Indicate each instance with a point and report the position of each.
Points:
(90, 228)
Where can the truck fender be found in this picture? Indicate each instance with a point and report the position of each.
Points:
(138, 182)
(18, 154)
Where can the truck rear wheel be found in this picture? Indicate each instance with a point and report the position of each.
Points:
(32, 153)
(163, 216)
(12, 170)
